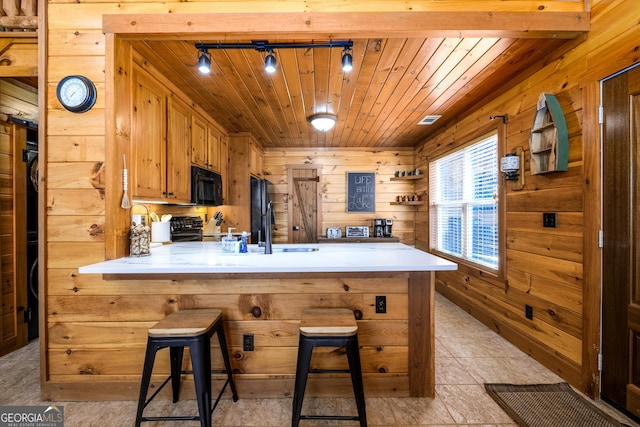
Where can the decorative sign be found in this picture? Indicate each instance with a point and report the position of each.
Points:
(361, 191)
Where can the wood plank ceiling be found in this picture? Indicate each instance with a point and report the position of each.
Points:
(395, 82)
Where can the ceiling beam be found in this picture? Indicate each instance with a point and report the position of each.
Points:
(305, 25)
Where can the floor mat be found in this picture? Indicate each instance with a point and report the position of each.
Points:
(548, 405)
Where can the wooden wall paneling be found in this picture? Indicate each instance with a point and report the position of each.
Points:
(22, 57)
(75, 228)
(89, 318)
(335, 163)
(72, 43)
(18, 100)
(68, 148)
(592, 271)
(564, 287)
(540, 351)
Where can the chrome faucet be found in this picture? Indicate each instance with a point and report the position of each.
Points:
(267, 231)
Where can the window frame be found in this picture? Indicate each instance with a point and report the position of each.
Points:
(469, 139)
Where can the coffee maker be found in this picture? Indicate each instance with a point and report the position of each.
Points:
(378, 227)
(387, 227)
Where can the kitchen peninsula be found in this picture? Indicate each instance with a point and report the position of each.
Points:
(262, 296)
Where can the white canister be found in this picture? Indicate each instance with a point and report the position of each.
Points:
(161, 231)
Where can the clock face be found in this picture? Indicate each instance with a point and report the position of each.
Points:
(76, 93)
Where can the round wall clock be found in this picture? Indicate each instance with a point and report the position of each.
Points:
(76, 93)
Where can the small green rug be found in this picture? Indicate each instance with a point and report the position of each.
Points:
(548, 405)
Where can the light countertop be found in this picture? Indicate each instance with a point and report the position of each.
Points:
(207, 257)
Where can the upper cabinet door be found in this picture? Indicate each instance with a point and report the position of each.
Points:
(178, 151)
(213, 148)
(148, 136)
(199, 142)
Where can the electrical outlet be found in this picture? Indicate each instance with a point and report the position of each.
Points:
(549, 219)
(381, 304)
(247, 342)
(528, 312)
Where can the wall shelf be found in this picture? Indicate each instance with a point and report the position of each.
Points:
(549, 140)
(407, 178)
(411, 203)
(412, 178)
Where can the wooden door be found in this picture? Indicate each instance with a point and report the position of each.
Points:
(621, 226)
(178, 151)
(13, 234)
(304, 218)
(148, 137)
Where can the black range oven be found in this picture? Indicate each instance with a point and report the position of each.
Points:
(186, 229)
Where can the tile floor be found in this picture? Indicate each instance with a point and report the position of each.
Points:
(467, 355)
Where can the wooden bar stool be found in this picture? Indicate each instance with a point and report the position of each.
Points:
(193, 329)
(328, 327)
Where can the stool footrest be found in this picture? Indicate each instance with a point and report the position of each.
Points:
(325, 371)
(176, 418)
(330, 417)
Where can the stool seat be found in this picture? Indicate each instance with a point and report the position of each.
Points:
(186, 323)
(180, 329)
(338, 322)
(328, 327)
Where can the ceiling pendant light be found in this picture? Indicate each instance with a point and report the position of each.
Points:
(323, 122)
(270, 63)
(204, 62)
(347, 61)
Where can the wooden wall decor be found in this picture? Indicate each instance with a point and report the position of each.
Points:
(361, 191)
(549, 140)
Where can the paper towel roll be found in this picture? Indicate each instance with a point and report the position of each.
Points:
(160, 231)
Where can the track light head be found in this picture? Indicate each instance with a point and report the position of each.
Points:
(347, 61)
(270, 63)
(204, 62)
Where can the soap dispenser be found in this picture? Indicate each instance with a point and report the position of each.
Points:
(243, 243)
(229, 242)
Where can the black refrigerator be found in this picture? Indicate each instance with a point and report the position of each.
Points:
(261, 193)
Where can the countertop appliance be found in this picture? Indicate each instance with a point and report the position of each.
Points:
(206, 187)
(388, 223)
(186, 229)
(357, 231)
(261, 193)
(334, 233)
(378, 227)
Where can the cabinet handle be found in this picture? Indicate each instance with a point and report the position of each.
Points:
(296, 228)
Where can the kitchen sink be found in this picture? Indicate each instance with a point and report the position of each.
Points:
(305, 249)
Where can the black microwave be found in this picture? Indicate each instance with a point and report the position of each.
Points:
(206, 187)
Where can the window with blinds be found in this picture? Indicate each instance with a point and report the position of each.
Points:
(463, 200)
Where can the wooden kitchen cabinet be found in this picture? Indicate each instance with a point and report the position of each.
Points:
(255, 160)
(199, 141)
(178, 149)
(160, 141)
(148, 137)
(205, 144)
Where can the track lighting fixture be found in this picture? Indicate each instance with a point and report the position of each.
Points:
(347, 60)
(270, 59)
(204, 62)
(270, 63)
(323, 122)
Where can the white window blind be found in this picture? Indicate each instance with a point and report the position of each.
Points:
(464, 203)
